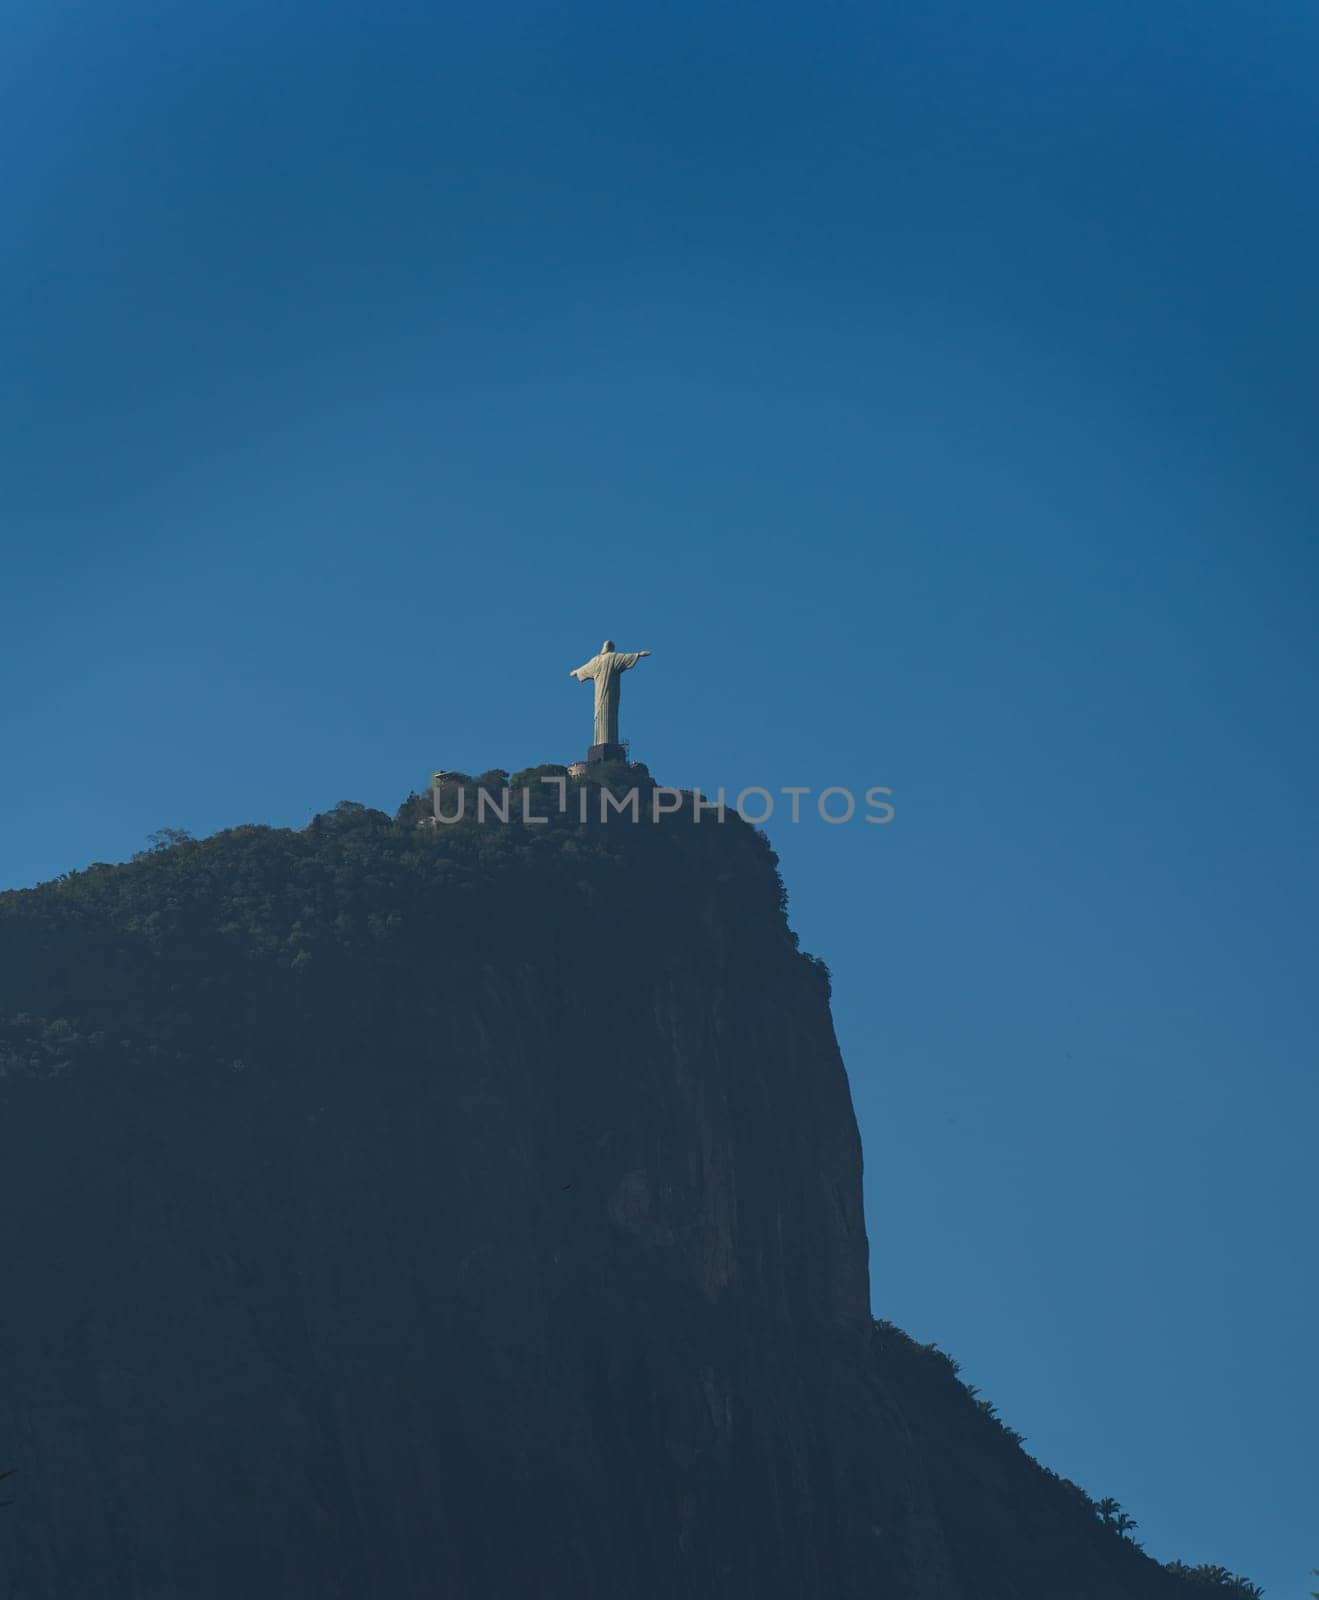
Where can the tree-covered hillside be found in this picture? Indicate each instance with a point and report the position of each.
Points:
(402, 1209)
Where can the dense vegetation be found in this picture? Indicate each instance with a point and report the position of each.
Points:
(937, 1374)
(96, 952)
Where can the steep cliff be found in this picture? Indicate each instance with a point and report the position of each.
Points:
(472, 1212)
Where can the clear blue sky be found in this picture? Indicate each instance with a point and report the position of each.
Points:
(935, 382)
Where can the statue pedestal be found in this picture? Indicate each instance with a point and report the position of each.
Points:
(605, 752)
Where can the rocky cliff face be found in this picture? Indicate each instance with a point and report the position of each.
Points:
(392, 1212)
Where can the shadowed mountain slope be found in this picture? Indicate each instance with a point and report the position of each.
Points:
(393, 1211)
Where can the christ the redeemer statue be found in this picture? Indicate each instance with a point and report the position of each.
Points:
(605, 669)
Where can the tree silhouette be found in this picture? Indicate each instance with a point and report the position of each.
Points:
(1111, 1514)
(1208, 1576)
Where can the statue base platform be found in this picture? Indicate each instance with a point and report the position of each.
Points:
(605, 752)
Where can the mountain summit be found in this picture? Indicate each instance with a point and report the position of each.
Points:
(396, 1211)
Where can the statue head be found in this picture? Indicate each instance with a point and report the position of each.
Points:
(606, 647)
